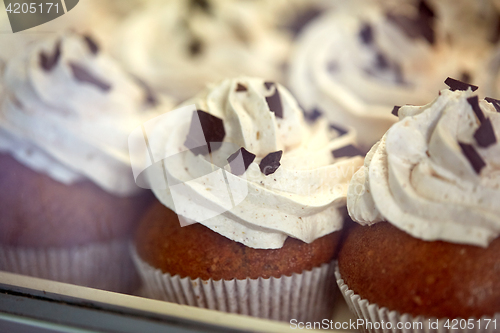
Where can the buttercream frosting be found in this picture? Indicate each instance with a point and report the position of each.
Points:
(420, 178)
(301, 198)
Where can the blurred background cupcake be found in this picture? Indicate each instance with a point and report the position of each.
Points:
(267, 189)
(69, 202)
(357, 61)
(426, 200)
(179, 46)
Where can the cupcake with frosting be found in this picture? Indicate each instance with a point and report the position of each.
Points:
(180, 46)
(362, 58)
(259, 193)
(69, 201)
(427, 242)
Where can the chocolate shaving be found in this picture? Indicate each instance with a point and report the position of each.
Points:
(340, 130)
(458, 85)
(274, 103)
(347, 151)
(474, 158)
(268, 85)
(420, 26)
(395, 110)
(240, 161)
(83, 75)
(241, 87)
(313, 115)
(48, 62)
(495, 102)
(195, 47)
(366, 34)
(204, 5)
(474, 103)
(271, 162)
(485, 135)
(211, 136)
(94, 49)
(150, 97)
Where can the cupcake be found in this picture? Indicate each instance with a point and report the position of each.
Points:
(426, 247)
(69, 202)
(253, 203)
(180, 46)
(362, 58)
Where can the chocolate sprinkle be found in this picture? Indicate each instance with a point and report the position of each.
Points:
(313, 115)
(268, 85)
(485, 135)
(212, 135)
(246, 157)
(83, 75)
(274, 102)
(48, 62)
(366, 34)
(458, 85)
(474, 103)
(150, 97)
(241, 87)
(271, 162)
(395, 110)
(474, 158)
(382, 61)
(420, 26)
(347, 151)
(339, 129)
(495, 102)
(91, 44)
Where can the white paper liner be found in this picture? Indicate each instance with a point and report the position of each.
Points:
(105, 265)
(376, 315)
(308, 296)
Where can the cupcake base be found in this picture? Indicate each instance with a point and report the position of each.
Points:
(104, 265)
(372, 318)
(308, 296)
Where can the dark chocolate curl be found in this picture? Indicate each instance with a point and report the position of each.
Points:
(241, 87)
(495, 102)
(240, 160)
(395, 110)
(271, 162)
(48, 62)
(472, 155)
(459, 85)
(274, 103)
(485, 135)
(347, 151)
(83, 75)
(211, 136)
(474, 103)
(91, 44)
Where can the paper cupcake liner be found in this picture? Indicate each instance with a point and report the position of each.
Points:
(306, 297)
(104, 265)
(373, 318)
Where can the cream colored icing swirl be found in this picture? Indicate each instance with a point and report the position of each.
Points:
(419, 179)
(300, 199)
(179, 46)
(67, 127)
(354, 64)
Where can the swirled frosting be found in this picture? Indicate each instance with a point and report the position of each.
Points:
(179, 46)
(436, 173)
(67, 111)
(300, 198)
(359, 60)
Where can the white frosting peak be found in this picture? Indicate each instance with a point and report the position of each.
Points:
(300, 199)
(71, 117)
(420, 178)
